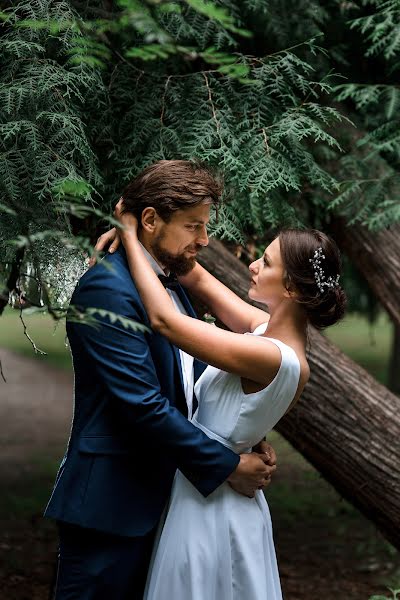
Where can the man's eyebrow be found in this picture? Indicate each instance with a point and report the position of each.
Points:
(199, 221)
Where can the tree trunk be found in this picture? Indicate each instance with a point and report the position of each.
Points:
(394, 366)
(346, 424)
(12, 280)
(377, 256)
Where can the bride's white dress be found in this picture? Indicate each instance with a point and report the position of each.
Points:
(221, 547)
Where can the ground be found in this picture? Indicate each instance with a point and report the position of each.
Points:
(326, 549)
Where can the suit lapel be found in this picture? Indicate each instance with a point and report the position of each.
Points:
(178, 360)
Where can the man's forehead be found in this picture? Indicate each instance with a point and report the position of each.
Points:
(195, 214)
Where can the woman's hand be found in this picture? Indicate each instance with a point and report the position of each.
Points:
(112, 238)
(128, 222)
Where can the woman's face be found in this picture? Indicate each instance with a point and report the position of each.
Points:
(267, 272)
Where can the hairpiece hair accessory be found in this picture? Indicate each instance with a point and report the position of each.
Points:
(321, 280)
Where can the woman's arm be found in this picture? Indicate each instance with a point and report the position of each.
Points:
(222, 302)
(238, 315)
(247, 356)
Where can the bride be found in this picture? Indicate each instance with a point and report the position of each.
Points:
(221, 547)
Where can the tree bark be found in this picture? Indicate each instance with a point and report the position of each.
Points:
(394, 366)
(12, 280)
(377, 256)
(346, 424)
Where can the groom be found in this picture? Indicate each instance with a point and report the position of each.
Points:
(133, 397)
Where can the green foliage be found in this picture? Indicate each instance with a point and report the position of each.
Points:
(381, 28)
(394, 596)
(89, 318)
(370, 170)
(366, 341)
(217, 13)
(42, 121)
(89, 96)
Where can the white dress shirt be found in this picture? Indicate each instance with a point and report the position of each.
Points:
(186, 359)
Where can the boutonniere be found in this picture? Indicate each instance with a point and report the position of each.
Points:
(208, 318)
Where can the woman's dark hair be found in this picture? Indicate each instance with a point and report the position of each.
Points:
(326, 306)
(170, 185)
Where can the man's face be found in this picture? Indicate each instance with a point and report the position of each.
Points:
(176, 244)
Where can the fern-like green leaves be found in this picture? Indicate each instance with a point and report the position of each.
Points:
(90, 96)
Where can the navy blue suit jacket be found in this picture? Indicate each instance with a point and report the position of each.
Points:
(130, 429)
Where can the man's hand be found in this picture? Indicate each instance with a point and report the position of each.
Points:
(252, 473)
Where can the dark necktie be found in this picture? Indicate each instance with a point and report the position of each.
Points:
(169, 281)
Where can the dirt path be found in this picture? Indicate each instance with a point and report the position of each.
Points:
(35, 408)
(320, 555)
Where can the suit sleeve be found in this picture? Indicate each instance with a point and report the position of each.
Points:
(121, 358)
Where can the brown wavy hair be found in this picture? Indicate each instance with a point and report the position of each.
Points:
(171, 185)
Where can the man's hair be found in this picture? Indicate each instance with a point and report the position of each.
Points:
(170, 185)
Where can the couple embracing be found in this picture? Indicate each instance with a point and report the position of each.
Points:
(159, 495)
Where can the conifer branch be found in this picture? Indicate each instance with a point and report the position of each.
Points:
(265, 140)
(214, 112)
(163, 101)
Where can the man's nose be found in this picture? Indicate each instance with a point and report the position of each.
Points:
(202, 238)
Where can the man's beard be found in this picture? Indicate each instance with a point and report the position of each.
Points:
(176, 263)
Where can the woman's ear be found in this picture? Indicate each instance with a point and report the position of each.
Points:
(290, 290)
(290, 293)
(149, 219)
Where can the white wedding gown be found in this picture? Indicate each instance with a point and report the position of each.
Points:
(221, 547)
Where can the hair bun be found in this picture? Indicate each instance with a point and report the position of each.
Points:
(329, 310)
(312, 267)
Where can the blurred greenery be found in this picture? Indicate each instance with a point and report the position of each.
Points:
(35, 475)
(368, 345)
(47, 335)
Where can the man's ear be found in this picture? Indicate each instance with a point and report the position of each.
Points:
(149, 219)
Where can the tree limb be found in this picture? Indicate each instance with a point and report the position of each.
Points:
(12, 280)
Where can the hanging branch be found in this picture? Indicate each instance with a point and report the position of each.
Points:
(26, 334)
(214, 112)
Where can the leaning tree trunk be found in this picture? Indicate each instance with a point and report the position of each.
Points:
(346, 424)
(377, 257)
(394, 365)
(12, 280)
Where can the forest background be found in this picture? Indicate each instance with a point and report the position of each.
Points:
(296, 103)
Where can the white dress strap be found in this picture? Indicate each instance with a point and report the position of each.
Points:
(290, 369)
(286, 381)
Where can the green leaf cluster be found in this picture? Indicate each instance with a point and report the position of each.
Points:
(268, 91)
